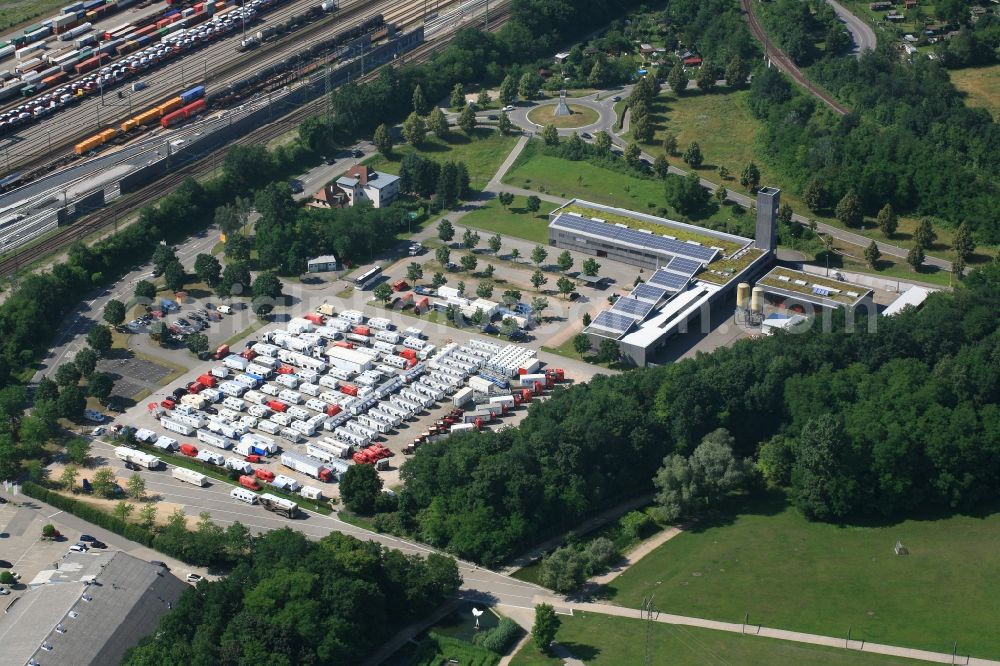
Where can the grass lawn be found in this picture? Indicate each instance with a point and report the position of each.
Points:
(765, 559)
(16, 12)
(482, 154)
(981, 85)
(604, 639)
(514, 221)
(545, 115)
(450, 639)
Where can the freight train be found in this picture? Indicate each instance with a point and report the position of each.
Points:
(139, 49)
(172, 112)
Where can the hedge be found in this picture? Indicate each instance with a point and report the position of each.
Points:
(100, 518)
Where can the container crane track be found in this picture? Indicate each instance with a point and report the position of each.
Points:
(154, 191)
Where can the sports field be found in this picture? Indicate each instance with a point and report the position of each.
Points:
(766, 560)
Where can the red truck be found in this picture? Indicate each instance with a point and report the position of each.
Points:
(277, 405)
(207, 380)
(222, 352)
(190, 450)
(361, 330)
(315, 318)
(263, 474)
(332, 410)
(400, 285)
(249, 482)
(348, 389)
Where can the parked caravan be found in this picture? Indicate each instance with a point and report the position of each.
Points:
(189, 476)
(243, 495)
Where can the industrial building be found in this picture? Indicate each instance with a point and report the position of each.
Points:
(323, 264)
(88, 611)
(807, 293)
(692, 267)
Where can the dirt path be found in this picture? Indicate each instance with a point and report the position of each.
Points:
(643, 549)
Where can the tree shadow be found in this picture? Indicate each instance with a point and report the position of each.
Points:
(433, 147)
(582, 651)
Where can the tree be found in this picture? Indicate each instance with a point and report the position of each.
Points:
(47, 390)
(721, 194)
(848, 210)
(642, 128)
(478, 317)
(602, 141)
(591, 267)
(750, 177)
(267, 285)
(539, 304)
(546, 625)
(489, 271)
(67, 480)
(915, 257)
(419, 101)
(458, 96)
(963, 244)
(608, 351)
(383, 292)
(162, 256)
(147, 516)
(414, 130)
(263, 309)
(872, 254)
(235, 280)
(661, 167)
(484, 99)
(565, 285)
(538, 279)
(504, 124)
(670, 143)
(685, 193)
(528, 85)
(469, 262)
(494, 243)
(508, 326)
(550, 135)
(445, 230)
(438, 123)
(71, 403)
(67, 374)
(508, 90)
(135, 487)
(414, 272)
(510, 297)
(887, 221)
(815, 196)
(538, 255)
(693, 155)
(100, 385)
(533, 203)
(563, 570)
(785, 214)
(485, 289)
(145, 290)
(99, 339)
(197, 343)
(443, 255)
(104, 482)
(467, 120)
(114, 312)
(737, 72)
(706, 77)
(208, 269)
(687, 486)
(633, 155)
(581, 343)
(564, 261)
(505, 199)
(383, 139)
(598, 74)
(470, 239)
(515, 255)
(924, 235)
(85, 361)
(438, 280)
(123, 510)
(360, 488)
(78, 450)
(174, 276)
(677, 79)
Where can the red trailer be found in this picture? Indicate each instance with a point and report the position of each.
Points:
(249, 354)
(423, 303)
(349, 389)
(254, 458)
(277, 405)
(538, 388)
(408, 354)
(264, 474)
(207, 380)
(221, 352)
(315, 318)
(361, 330)
(332, 410)
(286, 370)
(189, 450)
(195, 387)
(345, 345)
(400, 285)
(167, 404)
(557, 374)
(249, 482)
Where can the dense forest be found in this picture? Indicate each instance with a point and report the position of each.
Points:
(858, 424)
(296, 601)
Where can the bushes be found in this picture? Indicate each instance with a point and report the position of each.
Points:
(500, 638)
(90, 514)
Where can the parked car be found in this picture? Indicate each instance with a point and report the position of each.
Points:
(93, 415)
(160, 564)
(508, 108)
(193, 578)
(616, 98)
(297, 186)
(86, 538)
(78, 548)
(98, 431)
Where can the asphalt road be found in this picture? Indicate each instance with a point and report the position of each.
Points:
(864, 36)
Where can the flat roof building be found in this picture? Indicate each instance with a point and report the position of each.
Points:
(805, 292)
(88, 611)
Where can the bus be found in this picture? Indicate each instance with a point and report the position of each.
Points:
(366, 279)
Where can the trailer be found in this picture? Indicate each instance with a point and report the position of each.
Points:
(189, 476)
(166, 443)
(176, 426)
(217, 440)
(303, 427)
(290, 434)
(236, 362)
(311, 467)
(209, 457)
(137, 457)
(278, 505)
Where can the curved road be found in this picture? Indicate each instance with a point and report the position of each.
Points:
(861, 32)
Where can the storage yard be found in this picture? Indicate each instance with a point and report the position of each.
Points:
(292, 410)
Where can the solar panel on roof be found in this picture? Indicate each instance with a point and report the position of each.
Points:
(632, 307)
(613, 321)
(624, 235)
(648, 292)
(670, 281)
(820, 291)
(684, 265)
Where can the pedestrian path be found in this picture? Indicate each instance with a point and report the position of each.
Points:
(640, 551)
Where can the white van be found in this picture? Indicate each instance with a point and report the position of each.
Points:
(224, 309)
(243, 495)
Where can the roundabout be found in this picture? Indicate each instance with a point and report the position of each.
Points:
(581, 116)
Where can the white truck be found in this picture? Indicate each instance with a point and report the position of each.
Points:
(137, 457)
(305, 465)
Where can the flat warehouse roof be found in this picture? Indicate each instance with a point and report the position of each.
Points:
(637, 239)
(349, 355)
(810, 288)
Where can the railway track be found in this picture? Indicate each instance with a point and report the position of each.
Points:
(785, 64)
(156, 190)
